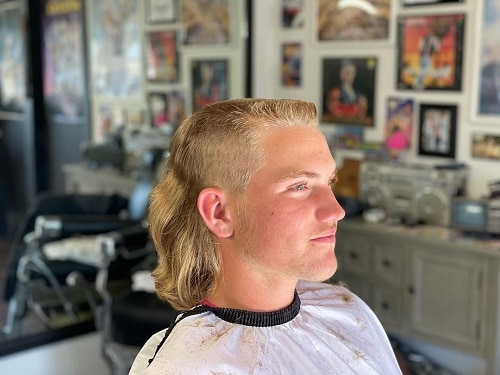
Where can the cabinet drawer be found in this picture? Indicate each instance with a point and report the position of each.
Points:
(388, 306)
(354, 256)
(389, 263)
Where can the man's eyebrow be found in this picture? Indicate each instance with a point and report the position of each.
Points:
(306, 174)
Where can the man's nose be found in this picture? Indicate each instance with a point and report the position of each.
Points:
(330, 209)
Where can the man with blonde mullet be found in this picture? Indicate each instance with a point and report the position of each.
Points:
(244, 223)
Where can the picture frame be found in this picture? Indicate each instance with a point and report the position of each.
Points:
(161, 57)
(371, 21)
(399, 125)
(486, 89)
(119, 61)
(291, 64)
(430, 52)
(210, 82)
(206, 22)
(166, 109)
(485, 146)
(162, 11)
(437, 130)
(349, 90)
(410, 3)
(13, 70)
(292, 14)
(64, 81)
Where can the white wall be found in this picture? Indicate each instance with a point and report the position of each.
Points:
(80, 355)
(268, 37)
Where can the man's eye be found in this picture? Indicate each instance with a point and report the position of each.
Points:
(299, 187)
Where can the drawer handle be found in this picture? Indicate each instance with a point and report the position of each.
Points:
(387, 263)
(411, 290)
(385, 306)
(353, 255)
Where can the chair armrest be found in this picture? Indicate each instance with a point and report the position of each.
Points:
(129, 242)
(60, 226)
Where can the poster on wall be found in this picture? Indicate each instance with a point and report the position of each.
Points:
(291, 62)
(408, 3)
(355, 20)
(430, 52)
(437, 130)
(161, 11)
(63, 61)
(210, 82)
(399, 125)
(488, 102)
(116, 45)
(162, 62)
(348, 90)
(12, 59)
(166, 109)
(292, 14)
(486, 146)
(206, 22)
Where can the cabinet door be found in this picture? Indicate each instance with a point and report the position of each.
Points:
(447, 297)
(353, 254)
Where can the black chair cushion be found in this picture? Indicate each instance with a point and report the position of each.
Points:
(136, 316)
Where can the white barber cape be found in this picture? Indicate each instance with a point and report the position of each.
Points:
(326, 330)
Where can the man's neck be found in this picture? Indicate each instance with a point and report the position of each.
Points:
(252, 294)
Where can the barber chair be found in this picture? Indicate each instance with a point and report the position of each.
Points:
(55, 255)
(128, 319)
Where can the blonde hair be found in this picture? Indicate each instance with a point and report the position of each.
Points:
(217, 146)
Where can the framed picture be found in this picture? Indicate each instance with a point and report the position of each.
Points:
(12, 59)
(408, 3)
(292, 14)
(209, 82)
(430, 50)
(486, 105)
(437, 131)
(348, 137)
(115, 49)
(206, 22)
(486, 146)
(399, 125)
(348, 90)
(369, 20)
(64, 81)
(291, 63)
(161, 11)
(162, 62)
(166, 109)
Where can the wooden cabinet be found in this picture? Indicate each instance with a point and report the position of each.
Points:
(426, 283)
(448, 297)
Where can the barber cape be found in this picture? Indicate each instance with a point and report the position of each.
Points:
(326, 330)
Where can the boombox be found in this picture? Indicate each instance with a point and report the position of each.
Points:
(411, 192)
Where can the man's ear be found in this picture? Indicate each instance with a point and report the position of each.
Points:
(213, 210)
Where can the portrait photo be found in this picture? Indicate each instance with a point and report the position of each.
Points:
(291, 64)
(430, 50)
(210, 82)
(437, 130)
(488, 103)
(162, 63)
(348, 90)
(292, 15)
(399, 125)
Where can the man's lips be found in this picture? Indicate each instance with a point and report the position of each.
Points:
(327, 237)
